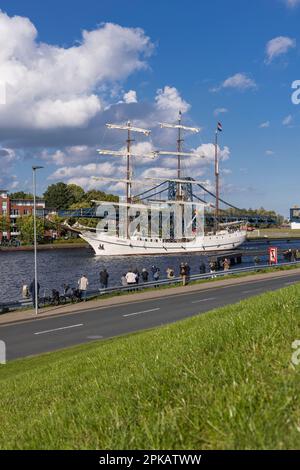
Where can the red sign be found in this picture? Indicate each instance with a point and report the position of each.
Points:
(273, 255)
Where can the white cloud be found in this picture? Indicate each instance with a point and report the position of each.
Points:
(169, 99)
(70, 155)
(279, 46)
(239, 81)
(130, 97)
(269, 152)
(208, 150)
(287, 120)
(92, 169)
(74, 112)
(50, 86)
(219, 111)
(264, 125)
(7, 158)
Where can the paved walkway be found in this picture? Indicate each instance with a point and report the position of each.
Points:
(23, 315)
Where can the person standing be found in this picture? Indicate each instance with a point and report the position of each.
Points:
(32, 291)
(170, 273)
(183, 273)
(25, 291)
(256, 260)
(104, 279)
(213, 268)
(153, 270)
(226, 264)
(130, 278)
(156, 276)
(145, 275)
(83, 283)
(123, 280)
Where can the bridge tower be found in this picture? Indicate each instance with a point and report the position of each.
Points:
(187, 190)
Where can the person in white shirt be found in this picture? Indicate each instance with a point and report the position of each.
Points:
(83, 283)
(131, 278)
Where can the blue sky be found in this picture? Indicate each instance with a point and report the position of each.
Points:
(237, 56)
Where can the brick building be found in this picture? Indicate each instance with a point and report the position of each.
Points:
(12, 210)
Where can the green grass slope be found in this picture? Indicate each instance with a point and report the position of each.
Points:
(223, 380)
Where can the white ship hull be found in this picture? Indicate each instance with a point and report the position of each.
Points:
(108, 245)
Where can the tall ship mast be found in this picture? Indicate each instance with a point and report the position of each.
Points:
(143, 216)
(180, 128)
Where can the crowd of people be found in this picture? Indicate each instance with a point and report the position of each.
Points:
(131, 278)
(291, 255)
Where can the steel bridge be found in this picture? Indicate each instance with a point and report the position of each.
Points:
(167, 190)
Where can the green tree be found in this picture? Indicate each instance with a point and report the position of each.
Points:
(58, 196)
(96, 195)
(4, 223)
(77, 193)
(55, 222)
(80, 205)
(21, 195)
(26, 228)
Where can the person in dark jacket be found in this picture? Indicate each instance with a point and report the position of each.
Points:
(182, 271)
(156, 276)
(32, 291)
(104, 279)
(145, 275)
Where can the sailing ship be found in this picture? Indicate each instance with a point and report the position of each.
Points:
(141, 241)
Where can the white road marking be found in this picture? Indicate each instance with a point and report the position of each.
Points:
(94, 337)
(250, 291)
(58, 329)
(139, 313)
(203, 300)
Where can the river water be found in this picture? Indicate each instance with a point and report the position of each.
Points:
(66, 266)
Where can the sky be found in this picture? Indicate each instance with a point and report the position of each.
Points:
(69, 67)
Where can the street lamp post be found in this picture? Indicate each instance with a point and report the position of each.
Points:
(36, 300)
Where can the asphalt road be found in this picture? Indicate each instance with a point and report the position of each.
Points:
(48, 334)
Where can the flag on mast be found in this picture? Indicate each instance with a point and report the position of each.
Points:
(219, 127)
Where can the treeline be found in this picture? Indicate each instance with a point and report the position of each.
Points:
(68, 196)
(255, 212)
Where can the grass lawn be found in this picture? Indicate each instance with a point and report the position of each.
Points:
(223, 380)
(274, 233)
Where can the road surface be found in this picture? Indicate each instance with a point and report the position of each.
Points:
(52, 333)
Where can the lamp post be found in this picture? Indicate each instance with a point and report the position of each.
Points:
(34, 169)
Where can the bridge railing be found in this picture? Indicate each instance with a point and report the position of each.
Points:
(142, 286)
(224, 218)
